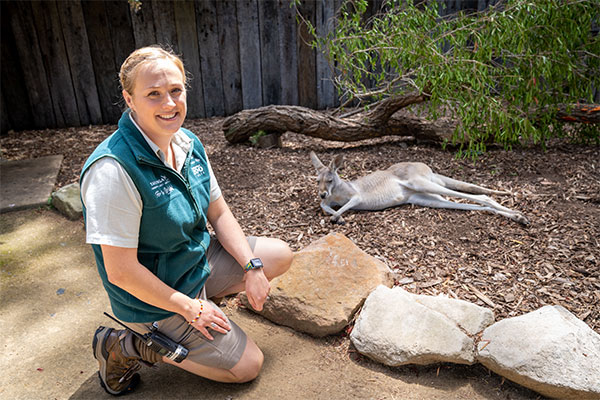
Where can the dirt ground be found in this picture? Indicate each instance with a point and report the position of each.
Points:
(474, 256)
(52, 302)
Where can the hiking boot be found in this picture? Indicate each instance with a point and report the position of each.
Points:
(116, 370)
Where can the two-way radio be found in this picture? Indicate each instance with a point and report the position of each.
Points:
(158, 342)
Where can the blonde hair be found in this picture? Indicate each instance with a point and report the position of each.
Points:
(127, 74)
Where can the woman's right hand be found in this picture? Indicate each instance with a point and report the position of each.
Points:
(205, 317)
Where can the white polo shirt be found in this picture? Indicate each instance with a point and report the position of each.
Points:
(113, 203)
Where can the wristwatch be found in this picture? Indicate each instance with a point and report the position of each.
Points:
(255, 263)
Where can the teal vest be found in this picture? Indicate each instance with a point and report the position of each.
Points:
(173, 237)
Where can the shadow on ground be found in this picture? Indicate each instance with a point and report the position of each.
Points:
(52, 302)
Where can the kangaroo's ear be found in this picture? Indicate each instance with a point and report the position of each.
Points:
(316, 162)
(337, 162)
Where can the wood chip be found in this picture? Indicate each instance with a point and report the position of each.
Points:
(431, 283)
(481, 296)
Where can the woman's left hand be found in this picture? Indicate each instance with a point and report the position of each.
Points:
(209, 318)
(257, 288)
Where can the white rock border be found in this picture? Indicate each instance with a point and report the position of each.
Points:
(548, 350)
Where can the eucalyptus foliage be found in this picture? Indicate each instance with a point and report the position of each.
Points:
(498, 72)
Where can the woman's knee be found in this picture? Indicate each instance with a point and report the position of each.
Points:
(250, 365)
(277, 256)
(283, 256)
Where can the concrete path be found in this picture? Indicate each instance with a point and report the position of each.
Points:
(27, 183)
(52, 302)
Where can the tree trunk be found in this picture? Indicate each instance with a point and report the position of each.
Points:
(382, 120)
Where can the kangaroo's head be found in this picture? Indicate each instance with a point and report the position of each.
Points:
(327, 177)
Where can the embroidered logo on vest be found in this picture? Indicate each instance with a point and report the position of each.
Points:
(197, 169)
(162, 186)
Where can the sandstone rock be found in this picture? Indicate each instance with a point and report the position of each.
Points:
(326, 284)
(470, 317)
(548, 350)
(67, 200)
(396, 329)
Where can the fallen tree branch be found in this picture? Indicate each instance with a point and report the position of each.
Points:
(382, 120)
(387, 107)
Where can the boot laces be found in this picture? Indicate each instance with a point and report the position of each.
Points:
(129, 365)
(130, 371)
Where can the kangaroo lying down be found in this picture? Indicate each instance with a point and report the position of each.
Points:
(402, 183)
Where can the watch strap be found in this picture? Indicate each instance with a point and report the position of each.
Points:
(254, 263)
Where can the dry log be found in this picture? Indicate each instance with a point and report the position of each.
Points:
(382, 120)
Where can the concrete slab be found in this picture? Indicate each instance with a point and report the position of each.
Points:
(27, 183)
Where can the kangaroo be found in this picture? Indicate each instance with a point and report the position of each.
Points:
(402, 183)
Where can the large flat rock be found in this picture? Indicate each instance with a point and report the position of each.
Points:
(27, 183)
(398, 328)
(327, 282)
(548, 350)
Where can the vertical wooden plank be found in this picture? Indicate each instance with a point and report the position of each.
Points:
(121, 30)
(142, 20)
(483, 4)
(185, 22)
(250, 57)
(455, 5)
(103, 60)
(34, 73)
(468, 6)
(446, 7)
(289, 57)
(270, 51)
(80, 62)
(324, 25)
(5, 125)
(441, 6)
(337, 4)
(230, 56)
(164, 22)
(210, 58)
(307, 83)
(15, 114)
(374, 7)
(371, 12)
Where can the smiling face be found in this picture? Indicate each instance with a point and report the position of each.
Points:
(158, 102)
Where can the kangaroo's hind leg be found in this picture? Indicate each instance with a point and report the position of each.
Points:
(461, 186)
(437, 201)
(425, 186)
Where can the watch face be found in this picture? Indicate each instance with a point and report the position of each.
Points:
(256, 263)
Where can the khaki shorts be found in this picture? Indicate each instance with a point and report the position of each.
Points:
(226, 350)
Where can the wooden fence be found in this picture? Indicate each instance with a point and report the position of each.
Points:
(60, 59)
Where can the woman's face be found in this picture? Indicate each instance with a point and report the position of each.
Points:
(158, 101)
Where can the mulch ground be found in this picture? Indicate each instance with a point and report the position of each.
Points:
(475, 256)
